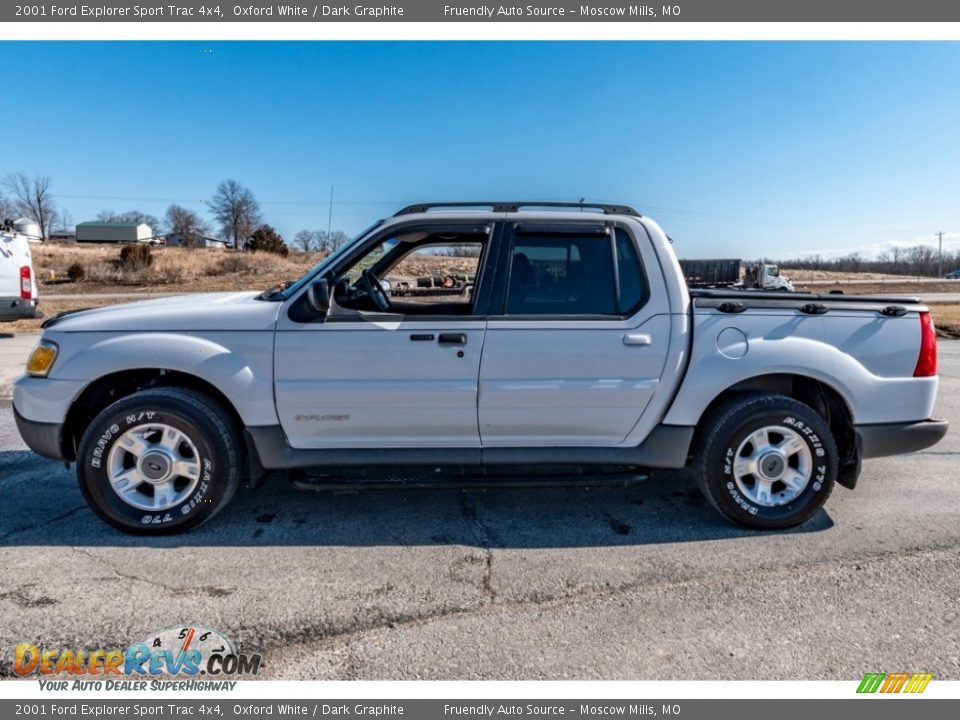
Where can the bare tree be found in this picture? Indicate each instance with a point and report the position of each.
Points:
(7, 208)
(132, 216)
(924, 260)
(319, 240)
(236, 210)
(330, 241)
(64, 221)
(187, 224)
(463, 251)
(306, 240)
(918, 260)
(32, 198)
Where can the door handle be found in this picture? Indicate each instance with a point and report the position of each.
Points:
(452, 339)
(636, 339)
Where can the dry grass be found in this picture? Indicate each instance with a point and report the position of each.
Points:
(423, 265)
(906, 288)
(946, 317)
(800, 275)
(207, 270)
(195, 270)
(172, 269)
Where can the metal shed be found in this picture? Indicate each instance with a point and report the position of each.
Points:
(113, 232)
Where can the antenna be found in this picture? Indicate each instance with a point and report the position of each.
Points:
(330, 214)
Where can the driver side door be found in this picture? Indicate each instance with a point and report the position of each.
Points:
(369, 379)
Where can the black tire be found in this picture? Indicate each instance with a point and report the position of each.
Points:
(730, 426)
(206, 425)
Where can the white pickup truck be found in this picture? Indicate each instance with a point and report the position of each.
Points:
(578, 346)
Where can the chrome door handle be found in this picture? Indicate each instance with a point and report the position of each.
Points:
(636, 339)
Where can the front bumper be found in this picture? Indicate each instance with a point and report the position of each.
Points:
(41, 406)
(898, 438)
(43, 438)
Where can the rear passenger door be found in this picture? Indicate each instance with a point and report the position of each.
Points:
(576, 341)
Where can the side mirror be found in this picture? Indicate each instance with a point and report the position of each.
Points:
(318, 296)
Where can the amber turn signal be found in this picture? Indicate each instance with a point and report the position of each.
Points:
(41, 359)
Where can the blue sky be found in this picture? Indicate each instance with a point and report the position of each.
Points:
(740, 149)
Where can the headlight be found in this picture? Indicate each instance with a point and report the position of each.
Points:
(41, 359)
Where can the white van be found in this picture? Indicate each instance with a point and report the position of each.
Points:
(18, 288)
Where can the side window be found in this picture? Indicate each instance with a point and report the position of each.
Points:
(632, 280)
(418, 273)
(442, 272)
(571, 275)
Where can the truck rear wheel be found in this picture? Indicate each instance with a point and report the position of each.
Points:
(159, 461)
(767, 461)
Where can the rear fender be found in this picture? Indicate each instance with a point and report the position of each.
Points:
(870, 398)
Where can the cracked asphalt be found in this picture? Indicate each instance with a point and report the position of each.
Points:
(641, 582)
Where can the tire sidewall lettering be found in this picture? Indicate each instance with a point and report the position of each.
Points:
(95, 460)
(102, 445)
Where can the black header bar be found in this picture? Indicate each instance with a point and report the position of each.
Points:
(147, 11)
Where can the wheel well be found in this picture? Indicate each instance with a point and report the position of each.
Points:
(108, 389)
(825, 401)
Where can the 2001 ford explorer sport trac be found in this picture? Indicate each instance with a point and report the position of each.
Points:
(564, 339)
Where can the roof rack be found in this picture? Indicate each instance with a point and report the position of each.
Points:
(514, 206)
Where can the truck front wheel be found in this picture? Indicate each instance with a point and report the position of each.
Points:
(767, 461)
(159, 461)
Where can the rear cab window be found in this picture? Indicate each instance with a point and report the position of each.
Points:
(564, 272)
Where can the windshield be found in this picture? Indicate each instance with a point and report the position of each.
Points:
(370, 259)
(282, 293)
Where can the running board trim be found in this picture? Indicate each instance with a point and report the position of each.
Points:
(667, 446)
(468, 482)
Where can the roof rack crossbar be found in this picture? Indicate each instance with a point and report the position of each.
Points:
(514, 206)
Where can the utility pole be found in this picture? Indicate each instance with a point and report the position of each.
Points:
(940, 261)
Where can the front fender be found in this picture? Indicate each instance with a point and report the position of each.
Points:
(238, 364)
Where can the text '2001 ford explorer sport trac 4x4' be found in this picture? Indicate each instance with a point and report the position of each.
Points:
(566, 340)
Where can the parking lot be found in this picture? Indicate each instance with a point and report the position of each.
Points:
(644, 582)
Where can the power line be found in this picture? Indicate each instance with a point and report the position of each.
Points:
(121, 198)
(316, 208)
(392, 203)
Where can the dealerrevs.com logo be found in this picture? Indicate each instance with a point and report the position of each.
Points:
(191, 651)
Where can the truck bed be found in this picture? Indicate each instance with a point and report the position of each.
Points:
(865, 347)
